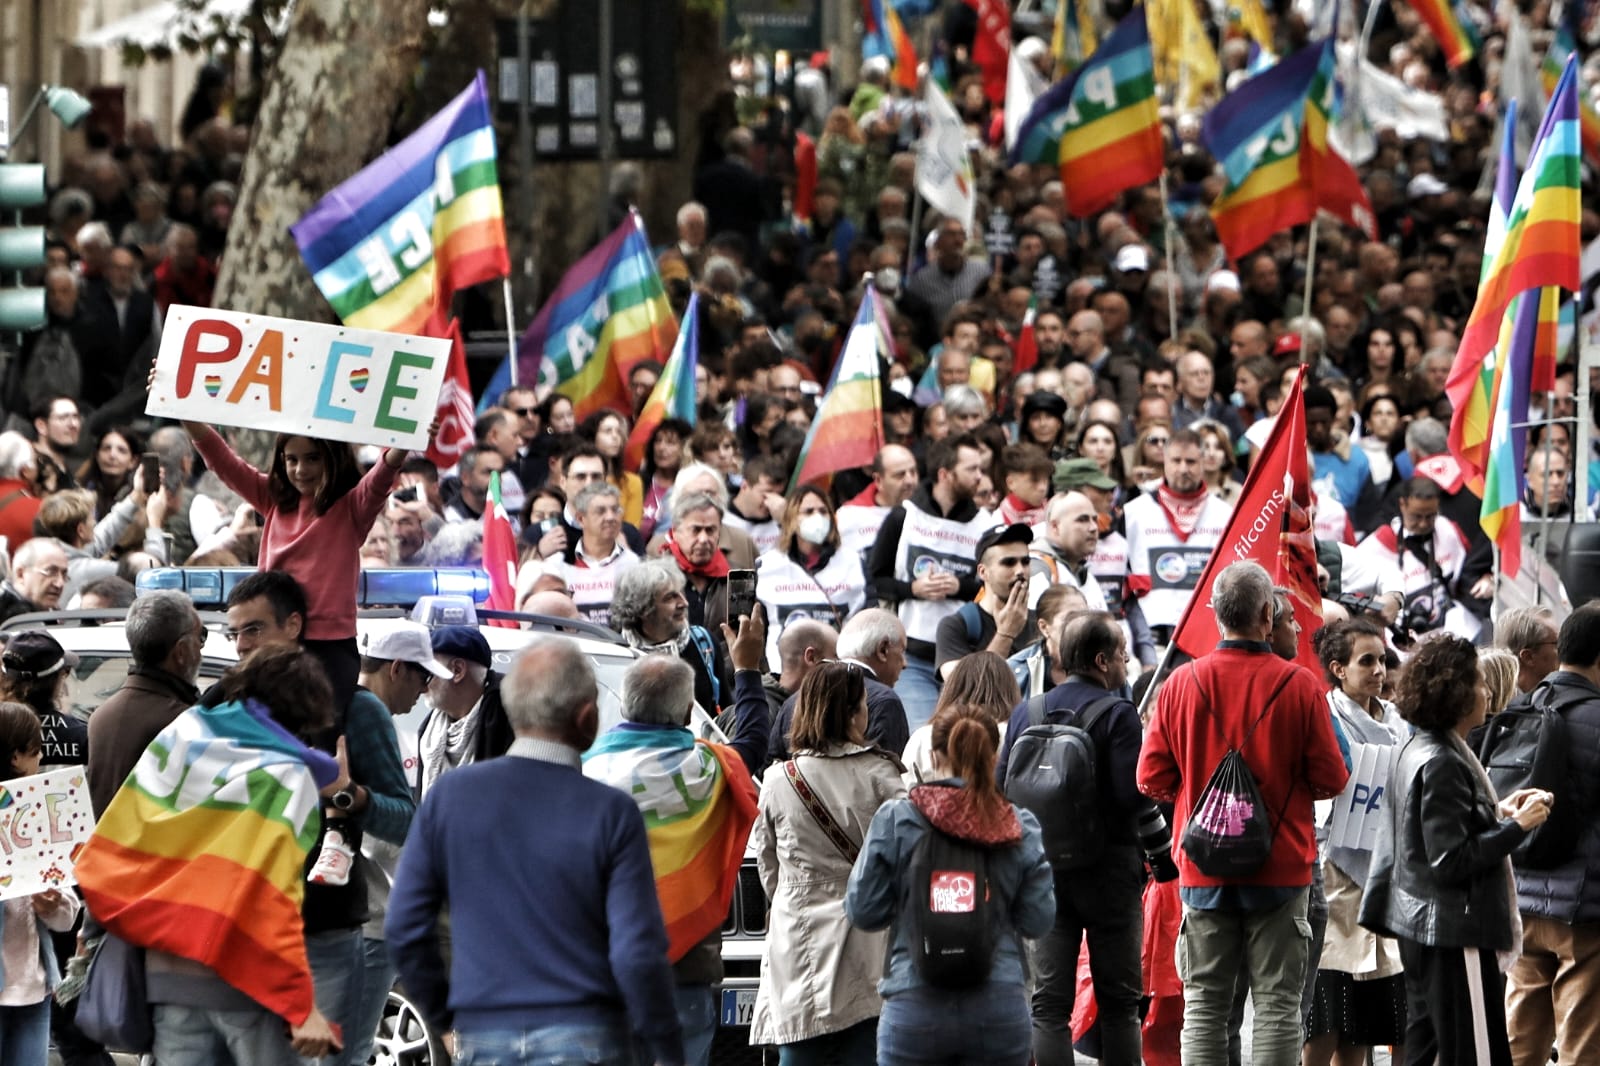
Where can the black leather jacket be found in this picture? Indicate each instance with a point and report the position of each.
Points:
(1438, 873)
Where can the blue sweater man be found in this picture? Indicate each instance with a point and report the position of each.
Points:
(557, 941)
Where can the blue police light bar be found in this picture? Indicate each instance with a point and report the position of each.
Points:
(397, 587)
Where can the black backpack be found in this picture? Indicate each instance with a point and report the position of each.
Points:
(1525, 746)
(1053, 772)
(1229, 832)
(953, 934)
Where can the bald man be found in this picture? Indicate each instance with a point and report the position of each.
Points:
(801, 646)
(1116, 377)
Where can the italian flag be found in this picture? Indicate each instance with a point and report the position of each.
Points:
(499, 555)
(1027, 354)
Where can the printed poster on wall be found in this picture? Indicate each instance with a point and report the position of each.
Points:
(44, 821)
(363, 386)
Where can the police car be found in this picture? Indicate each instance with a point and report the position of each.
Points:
(386, 598)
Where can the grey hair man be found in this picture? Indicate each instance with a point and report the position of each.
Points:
(965, 407)
(38, 577)
(166, 639)
(875, 640)
(701, 478)
(594, 561)
(651, 610)
(468, 721)
(597, 909)
(1245, 924)
(1530, 633)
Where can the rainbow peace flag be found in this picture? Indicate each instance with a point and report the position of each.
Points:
(1501, 513)
(1562, 47)
(1536, 245)
(1457, 39)
(848, 429)
(390, 246)
(1074, 37)
(698, 803)
(885, 35)
(608, 314)
(1335, 185)
(674, 394)
(1100, 124)
(202, 851)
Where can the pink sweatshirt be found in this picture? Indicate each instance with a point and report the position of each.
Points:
(322, 552)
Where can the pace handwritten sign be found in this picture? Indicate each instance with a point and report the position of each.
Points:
(44, 820)
(288, 376)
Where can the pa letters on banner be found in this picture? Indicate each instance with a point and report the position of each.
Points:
(1359, 812)
(309, 378)
(44, 821)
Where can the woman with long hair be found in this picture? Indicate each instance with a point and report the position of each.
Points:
(1098, 441)
(663, 458)
(818, 999)
(983, 680)
(557, 415)
(1044, 423)
(1249, 377)
(1381, 358)
(1440, 879)
(1216, 460)
(608, 431)
(987, 1022)
(806, 575)
(1149, 457)
(715, 445)
(1360, 999)
(109, 470)
(1382, 434)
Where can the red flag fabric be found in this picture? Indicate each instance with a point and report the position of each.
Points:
(805, 175)
(1271, 525)
(499, 555)
(1027, 350)
(991, 46)
(455, 410)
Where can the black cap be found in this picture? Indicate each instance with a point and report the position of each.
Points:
(1043, 400)
(1013, 534)
(33, 653)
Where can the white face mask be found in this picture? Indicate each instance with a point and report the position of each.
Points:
(814, 528)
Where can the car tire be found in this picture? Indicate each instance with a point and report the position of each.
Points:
(404, 1039)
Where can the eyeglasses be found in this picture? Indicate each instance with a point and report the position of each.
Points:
(1156, 440)
(851, 667)
(249, 629)
(49, 571)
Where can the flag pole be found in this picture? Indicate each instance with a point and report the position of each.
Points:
(916, 224)
(1311, 276)
(1172, 274)
(511, 330)
(1160, 669)
(1544, 509)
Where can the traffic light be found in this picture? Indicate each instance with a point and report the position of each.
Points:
(22, 307)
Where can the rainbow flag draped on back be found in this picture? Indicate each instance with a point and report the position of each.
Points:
(390, 246)
(1562, 47)
(1100, 124)
(1457, 39)
(885, 35)
(608, 314)
(848, 429)
(674, 394)
(202, 851)
(1536, 245)
(698, 803)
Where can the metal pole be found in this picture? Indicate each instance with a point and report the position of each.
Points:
(1544, 509)
(603, 100)
(511, 328)
(1311, 276)
(1582, 440)
(1172, 273)
(916, 224)
(530, 278)
(1166, 657)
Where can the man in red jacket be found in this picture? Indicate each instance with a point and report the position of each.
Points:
(1244, 697)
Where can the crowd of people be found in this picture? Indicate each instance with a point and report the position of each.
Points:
(1007, 574)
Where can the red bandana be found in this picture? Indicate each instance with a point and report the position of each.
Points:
(717, 567)
(1183, 511)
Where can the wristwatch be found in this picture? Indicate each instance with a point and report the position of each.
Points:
(344, 799)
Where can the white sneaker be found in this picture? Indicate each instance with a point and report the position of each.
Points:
(333, 862)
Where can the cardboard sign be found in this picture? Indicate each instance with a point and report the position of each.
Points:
(287, 376)
(44, 820)
(1363, 806)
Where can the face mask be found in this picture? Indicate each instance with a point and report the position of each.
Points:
(815, 528)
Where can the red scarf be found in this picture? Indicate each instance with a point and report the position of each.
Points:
(717, 567)
(1183, 511)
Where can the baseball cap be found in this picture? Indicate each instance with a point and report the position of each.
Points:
(1132, 257)
(1012, 534)
(1425, 185)
(1222, 279)
(33, 653)
(462, 642)
(406, 643)
(1288, 344)
(1080, 473)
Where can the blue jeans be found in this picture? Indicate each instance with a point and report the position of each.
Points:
(375, 980)
(983, 1026)
(336, 975)
(697, 1014)
(194, 1036)
(554, 1045)
(918, 689)
(855, 1046)
(25, 1034)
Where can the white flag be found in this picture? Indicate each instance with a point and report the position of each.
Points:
(1380, 100)
(1023, 87)
(1519, 81)
(944, 169)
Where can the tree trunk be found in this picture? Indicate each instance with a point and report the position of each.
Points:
(326, 113)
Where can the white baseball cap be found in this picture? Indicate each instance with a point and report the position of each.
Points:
(1132, 257)
(407, 642)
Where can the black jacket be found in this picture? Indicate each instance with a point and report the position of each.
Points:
(886, 722)
(1438, 874)
(1571, 892)
(13, 603)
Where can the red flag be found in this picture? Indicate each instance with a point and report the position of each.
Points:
(499, 555)
(455, 410)
(1027, 352)
(1271, 525)
(991, 46)
(805, 175)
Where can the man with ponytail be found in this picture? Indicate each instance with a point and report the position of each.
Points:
(984, 1018)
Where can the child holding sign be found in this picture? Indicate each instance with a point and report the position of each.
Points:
(31, 973)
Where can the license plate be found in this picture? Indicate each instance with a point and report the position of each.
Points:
(738, 1006)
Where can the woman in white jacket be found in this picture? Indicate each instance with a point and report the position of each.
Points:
(808, 575)
(818, 999)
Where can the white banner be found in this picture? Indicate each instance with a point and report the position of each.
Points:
(1376, 100)
(280, 374)
(1023, 87)
(944, 169)
(44, 820)
(1362, 807)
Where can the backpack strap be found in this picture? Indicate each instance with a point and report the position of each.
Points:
(708, 655)
(12, 496)
(820, 814)
(973, 620)
(1034, 714)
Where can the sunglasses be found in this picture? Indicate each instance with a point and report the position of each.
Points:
(525, 411)
(851, 667)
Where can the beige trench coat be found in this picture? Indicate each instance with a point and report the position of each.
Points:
(819, 974)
